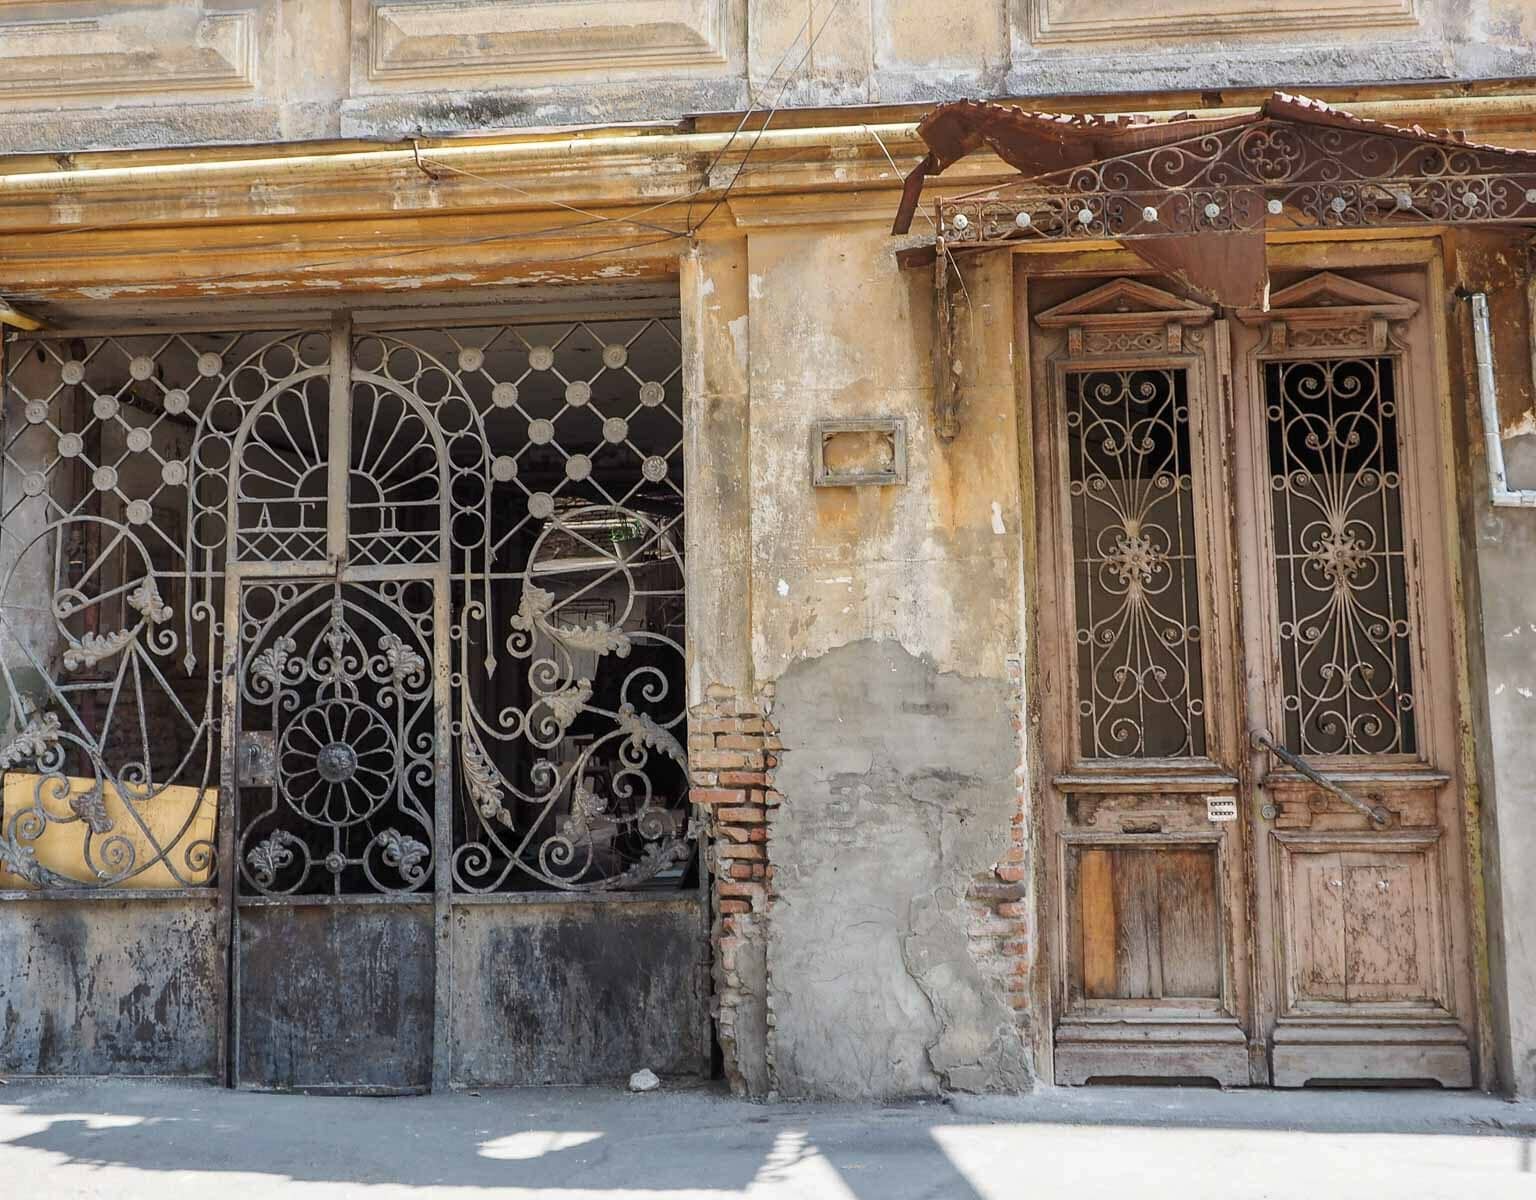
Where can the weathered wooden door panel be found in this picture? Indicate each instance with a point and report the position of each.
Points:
(1362, 926)
(1149, 919)
(1147, 895)
(1298, 830)
(1340, 515)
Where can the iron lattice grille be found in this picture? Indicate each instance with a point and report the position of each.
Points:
(511, 506)
(565, 448)
(112, 548)
(1140, 691)
(1340, 568)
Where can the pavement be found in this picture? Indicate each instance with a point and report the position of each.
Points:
(125, 1139)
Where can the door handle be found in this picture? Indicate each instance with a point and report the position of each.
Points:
(1259, 739)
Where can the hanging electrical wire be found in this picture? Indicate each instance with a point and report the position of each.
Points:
(589, 219)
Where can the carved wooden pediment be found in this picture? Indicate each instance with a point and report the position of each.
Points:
(1124, 316)
(1329, 311)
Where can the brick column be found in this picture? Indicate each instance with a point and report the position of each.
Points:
(732, 750)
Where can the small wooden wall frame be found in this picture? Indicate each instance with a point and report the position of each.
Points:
(865, 452)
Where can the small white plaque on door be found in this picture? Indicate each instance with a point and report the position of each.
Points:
(1220, 808)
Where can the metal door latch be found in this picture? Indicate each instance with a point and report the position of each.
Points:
(1377, 814)
(257, 758)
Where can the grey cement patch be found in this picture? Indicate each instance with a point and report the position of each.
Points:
(899, 788)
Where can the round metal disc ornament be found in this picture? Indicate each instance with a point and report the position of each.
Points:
(336, 762)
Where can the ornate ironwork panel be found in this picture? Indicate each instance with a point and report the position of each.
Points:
(113, 538)
(526, 480)
(1140, 690)
(397, 483)
(279, 440)
(338, 676)
(1239, 179)
(1342, 579)
(565, 548)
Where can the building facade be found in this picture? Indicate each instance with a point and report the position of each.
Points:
(511, 572)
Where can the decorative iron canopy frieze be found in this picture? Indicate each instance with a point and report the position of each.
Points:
(1274, 174)
(1293, 164)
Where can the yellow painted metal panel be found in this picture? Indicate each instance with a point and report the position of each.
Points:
(61, 846)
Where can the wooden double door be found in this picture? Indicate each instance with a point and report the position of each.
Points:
(1256, 868)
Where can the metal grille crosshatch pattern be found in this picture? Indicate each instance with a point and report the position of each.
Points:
(112, 546)
(565, 448)
(470, 531)
(1140, 690)
(1341, 578)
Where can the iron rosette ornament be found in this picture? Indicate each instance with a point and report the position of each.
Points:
(343, 681)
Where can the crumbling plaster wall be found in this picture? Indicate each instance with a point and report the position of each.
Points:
(883, 640)
(135, 73)
(1503, 588)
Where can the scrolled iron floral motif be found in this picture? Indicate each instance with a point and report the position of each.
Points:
(35, 742)
(1341, 574)
(404, 854)
(338, 672)
(1140, 692)
(1238, 180)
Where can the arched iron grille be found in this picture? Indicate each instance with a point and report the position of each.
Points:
(447, 623)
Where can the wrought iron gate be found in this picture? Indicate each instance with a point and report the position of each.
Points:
(399, 612)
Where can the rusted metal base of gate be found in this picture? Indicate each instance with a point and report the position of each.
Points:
(342, 998)
(342, 706)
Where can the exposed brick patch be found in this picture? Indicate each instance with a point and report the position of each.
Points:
(999, 928)
(732, 750)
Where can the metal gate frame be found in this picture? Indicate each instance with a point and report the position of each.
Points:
(687, 909)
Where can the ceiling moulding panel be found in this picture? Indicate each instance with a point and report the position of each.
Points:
(537, 37)
(1110, 21)
(126, 55)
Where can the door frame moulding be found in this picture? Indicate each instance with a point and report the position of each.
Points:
(1346, 319)
(1123, 325)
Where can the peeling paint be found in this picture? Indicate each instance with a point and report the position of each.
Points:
(1524, 424)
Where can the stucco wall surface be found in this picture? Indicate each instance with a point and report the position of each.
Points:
(1504, 690)
(877, 626)
(118, 73)
(896, 794)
